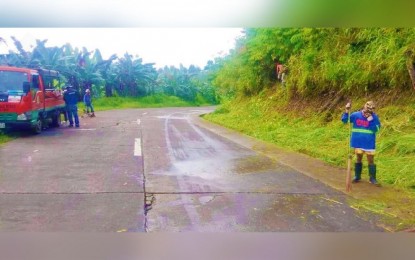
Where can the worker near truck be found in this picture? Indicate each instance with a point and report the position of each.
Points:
(365, 125)
(71, 100)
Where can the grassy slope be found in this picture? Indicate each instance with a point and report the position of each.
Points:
(301, 126)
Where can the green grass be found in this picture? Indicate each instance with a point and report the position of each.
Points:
(154, 101)
(4, 138)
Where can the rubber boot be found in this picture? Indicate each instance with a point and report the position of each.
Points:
(372, 174)
(93, 114)
(357, 172)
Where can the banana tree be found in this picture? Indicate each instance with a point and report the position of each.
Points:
(132, 77)
(179, 81)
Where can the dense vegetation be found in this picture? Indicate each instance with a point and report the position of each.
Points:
(321, 60)
(325, 68)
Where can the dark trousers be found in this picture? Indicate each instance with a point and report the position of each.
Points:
(73, 114)
(88, 107)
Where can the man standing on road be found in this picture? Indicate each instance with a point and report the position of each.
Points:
(88, 102)
(365, 126)
(71, 100)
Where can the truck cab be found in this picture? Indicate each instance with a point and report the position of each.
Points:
(30, 98)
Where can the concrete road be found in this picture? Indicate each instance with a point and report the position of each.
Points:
(156, 170)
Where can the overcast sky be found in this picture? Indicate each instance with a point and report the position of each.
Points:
(163, 46)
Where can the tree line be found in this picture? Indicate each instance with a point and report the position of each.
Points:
(125, 76)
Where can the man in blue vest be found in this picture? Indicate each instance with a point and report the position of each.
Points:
(365, 125)
(71, 100)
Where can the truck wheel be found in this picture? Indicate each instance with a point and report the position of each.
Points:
(38, 127)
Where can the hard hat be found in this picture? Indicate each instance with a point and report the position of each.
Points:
(87, 91)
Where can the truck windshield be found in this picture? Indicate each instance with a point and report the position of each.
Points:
(12, 82)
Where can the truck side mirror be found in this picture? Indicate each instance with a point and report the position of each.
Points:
(26, 87)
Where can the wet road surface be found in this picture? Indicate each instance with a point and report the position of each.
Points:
(155, 170)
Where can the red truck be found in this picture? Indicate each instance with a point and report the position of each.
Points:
(30, 98)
